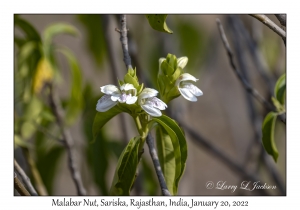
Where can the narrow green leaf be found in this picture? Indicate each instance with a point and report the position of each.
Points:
(30, 31)
(126, 169)
(26, 51)
(158, 22)
(102, 118)
(95, 35)
(75, 102)
(280, 89)
(182, 142)
(268, 135)
(165, 152)
(55, 29)
(179, 145)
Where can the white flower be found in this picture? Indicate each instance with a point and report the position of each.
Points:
(186, 88)
(113, 95)
(151, 104)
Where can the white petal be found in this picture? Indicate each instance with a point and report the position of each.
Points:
(156, 103)
(193, 89)
(185, 77)
(105, 103)
(181, 62)
(115, 97)
(110, 89)
(131, 100)
(148, 93)
(127, 86)
(186, 93)
(151, 110)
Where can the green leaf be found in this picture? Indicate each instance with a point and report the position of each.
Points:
(280, 89)
(126, 169)
(30, 31)
(26, 52)
(55, 29)
(158, 22)
(268, 135)
(165, 152)
(74, 105)
(179, 144)
(102, 118)
(95, 35)
(48, 153)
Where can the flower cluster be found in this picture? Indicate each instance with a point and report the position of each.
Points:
(172, 82)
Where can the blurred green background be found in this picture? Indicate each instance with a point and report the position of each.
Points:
(77, 54)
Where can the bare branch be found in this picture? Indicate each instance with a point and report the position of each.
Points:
(19, 186)
(124, 41)
(265, 20)
(25, 178)
(246, 85)
(282, 19)
(69, 143)
(157, 166)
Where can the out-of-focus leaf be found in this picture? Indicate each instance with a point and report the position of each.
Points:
(27, 28)
(26, 51)
(280, 89)
(75, 103)
(19, 142)
(166, 157)
(102, 118)
(193, 43)
(33, 109)
(126, 169)
(270, 47)
(268, 135)
(19, 41)
(43, 75)
(55, 29)
(30, 116)
(48, 154)
(95, 35)
(158, 22)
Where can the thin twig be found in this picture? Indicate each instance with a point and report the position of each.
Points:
(124, 41)
(246, 85)
(19, 186)
(282, 19)
(69, 143)
(265, 20)
(25, 179)
(112, 60)
(157, 166)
